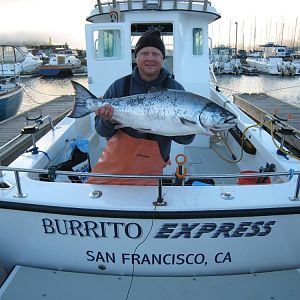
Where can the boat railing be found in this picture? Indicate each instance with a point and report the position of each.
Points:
(150, 4)
(5, 185)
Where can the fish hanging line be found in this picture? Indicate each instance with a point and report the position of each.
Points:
(35, 101)
(30, 98)
(27, 86)
(283, 88)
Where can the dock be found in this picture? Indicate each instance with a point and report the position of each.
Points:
(13, 143)
(258, 106)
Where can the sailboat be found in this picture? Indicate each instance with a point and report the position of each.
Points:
(11, 90)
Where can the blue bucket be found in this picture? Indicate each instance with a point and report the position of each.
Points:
(82, 144)
(199, 183)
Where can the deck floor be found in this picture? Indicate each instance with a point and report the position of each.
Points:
(202, 160)
(37, 284)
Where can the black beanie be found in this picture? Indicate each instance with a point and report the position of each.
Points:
(150, 38)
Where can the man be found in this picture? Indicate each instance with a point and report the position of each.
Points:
(130, 151)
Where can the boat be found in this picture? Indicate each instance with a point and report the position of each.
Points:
(224, 61)
(295, 58)
(60, 65)
(11, 90)
(273, 66)
(31, 63)
(228, 204)
(273, 61)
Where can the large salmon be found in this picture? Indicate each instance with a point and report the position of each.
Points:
(164, 112)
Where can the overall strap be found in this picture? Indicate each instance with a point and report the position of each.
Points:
(127, 85)
(165, 82)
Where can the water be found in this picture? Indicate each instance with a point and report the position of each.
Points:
(281, 87)
(38, 90)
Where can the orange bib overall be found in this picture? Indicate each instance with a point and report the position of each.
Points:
(124, 154)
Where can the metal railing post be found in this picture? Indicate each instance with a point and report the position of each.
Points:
(19, 193)
(160, 199)
(296, 195)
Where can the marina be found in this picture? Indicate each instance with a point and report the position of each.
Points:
(219, 220)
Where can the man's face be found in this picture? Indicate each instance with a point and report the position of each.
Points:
(149, 61)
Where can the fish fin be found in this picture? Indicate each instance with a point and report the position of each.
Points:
(81, 95)
(187, 122)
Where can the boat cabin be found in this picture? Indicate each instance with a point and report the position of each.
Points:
(117, 25)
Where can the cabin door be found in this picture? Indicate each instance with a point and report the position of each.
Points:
(108, 54)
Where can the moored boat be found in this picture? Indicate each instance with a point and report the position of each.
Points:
(11, 91)
(273, 61)
(234, 208)
(224, 60)
(30, 64)
(60, 65)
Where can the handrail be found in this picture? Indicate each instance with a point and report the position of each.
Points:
(189, 176)
(130, 3)
(160, 200)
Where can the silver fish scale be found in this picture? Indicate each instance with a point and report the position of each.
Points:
(172, 102)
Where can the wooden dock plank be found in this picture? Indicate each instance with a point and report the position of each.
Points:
(11, 128)
(257, 106)
(269, 105)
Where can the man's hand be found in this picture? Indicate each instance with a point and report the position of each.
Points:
(105, 112)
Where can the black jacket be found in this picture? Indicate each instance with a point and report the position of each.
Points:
(139, 86)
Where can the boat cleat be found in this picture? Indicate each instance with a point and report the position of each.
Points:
(227, 195)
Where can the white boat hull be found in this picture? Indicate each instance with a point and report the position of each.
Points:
(273, 66)
(187, 246)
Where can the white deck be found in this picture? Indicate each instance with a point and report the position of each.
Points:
(201, 160)
(36, 284)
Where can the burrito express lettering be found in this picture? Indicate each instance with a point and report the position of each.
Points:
(133, 230)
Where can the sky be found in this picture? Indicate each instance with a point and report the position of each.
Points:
(258, 21)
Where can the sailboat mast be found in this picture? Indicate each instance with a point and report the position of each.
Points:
(254, 35)
(295, 31)
(243, 36)
(282, 29)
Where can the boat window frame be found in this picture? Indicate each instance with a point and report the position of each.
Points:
(119, 55)
(198, 44)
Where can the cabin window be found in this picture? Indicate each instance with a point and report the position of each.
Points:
(197, 41)
(107, 43)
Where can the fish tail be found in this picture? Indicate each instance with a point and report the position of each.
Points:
(80, 108)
